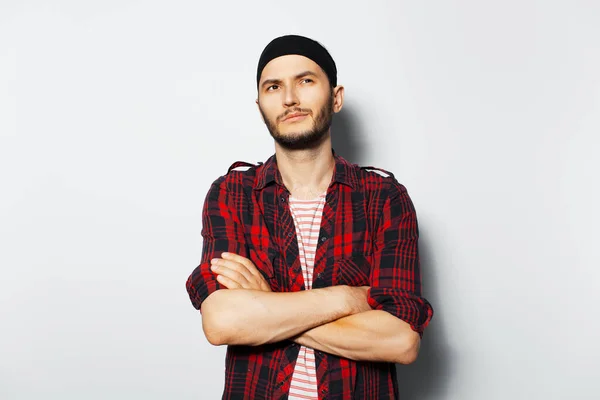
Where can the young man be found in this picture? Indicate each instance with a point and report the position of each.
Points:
(310, 268)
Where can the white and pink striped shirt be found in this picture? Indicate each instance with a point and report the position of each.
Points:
(307, 218)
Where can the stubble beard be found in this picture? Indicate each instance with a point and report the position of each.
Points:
(307, 139)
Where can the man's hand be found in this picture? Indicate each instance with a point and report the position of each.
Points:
(237, 272)
(357, 299)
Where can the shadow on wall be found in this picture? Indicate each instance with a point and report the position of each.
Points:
(347, 138)
(426, 378)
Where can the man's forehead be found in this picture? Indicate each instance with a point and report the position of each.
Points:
(289, 65)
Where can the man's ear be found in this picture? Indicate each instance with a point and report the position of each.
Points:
(261, 115)
(338, 98)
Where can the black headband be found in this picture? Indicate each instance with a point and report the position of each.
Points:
(294, 44)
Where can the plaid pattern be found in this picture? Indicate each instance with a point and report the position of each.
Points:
(368, 237)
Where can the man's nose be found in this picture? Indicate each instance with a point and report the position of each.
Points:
(290, 97)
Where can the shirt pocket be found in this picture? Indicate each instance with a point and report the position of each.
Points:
(353, 271)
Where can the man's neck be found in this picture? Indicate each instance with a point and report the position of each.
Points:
(306, 173)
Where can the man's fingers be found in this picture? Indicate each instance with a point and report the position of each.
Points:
(232, 265)
(231, 275)
(242, 260)
(240, 270)
(228, 283)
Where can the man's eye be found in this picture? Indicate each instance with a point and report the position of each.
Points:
(307, 80)
(272, 87)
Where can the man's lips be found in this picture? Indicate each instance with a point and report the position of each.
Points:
(294, 117)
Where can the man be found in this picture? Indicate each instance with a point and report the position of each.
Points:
(310, 268)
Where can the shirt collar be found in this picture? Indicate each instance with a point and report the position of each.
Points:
(344, 173)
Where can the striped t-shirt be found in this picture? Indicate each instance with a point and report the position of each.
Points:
(307, 218)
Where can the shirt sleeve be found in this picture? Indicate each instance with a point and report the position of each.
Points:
(222, 231)
(395, 274)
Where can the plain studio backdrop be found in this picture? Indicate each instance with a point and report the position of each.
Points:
(115, 117)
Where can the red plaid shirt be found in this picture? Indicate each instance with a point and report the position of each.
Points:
(368, 237)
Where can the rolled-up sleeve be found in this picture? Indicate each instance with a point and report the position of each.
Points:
(395, 277)
(221, 232)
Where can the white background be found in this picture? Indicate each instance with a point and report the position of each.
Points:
(115, 116)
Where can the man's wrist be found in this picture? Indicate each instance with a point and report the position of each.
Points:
(337, 296)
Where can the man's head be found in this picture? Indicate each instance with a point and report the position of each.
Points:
(297, 91)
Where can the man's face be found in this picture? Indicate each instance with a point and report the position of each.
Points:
(296, 101)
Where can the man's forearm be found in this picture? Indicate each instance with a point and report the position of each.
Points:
(368, 336)
(253, 317)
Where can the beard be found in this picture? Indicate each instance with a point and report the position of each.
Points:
(305, 139)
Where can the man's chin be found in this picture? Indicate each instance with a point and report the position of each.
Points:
(298, 140)
(294, 128)
(292, 134)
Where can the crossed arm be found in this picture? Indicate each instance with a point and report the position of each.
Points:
(337, 320)
(377, 323)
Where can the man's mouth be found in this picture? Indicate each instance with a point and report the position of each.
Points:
(294, 117)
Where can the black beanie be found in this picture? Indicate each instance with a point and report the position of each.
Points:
(294, 44)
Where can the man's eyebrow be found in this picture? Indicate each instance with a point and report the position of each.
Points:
(278, 81)
(305, 73)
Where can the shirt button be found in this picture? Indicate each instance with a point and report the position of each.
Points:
(282, 198)
(324, 238)
(290, 234)
(319, 275)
